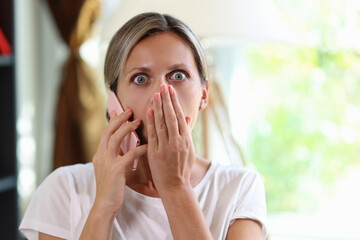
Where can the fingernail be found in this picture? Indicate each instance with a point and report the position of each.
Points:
(188, 119)
(151, 112)
(135, 165)
(128, 110)
(164, 88)
(137, 121)
(171, 90)
(157, 97)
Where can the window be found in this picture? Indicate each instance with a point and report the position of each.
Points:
(299, 109)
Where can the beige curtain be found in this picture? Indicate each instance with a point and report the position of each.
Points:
(81, 109)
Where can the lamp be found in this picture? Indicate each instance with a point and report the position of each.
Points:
(231, 19)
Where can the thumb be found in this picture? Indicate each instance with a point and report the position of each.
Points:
(131, 157)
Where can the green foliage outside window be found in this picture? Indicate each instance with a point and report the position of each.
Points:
(309, 133)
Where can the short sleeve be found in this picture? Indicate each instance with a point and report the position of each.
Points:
(251, 202)
(49, 208)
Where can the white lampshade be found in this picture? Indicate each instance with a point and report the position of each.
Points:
(235, 19)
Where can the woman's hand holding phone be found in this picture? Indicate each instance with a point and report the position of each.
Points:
(110, 164)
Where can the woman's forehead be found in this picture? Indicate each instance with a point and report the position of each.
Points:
(160, 50)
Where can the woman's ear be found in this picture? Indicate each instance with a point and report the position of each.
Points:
(204, 97)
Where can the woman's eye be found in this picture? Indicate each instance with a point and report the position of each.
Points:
(178, 76)
(140, 79)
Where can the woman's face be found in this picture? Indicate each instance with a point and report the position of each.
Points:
(160, 59)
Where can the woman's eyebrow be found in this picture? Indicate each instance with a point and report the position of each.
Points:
(146, 69)
(179, 65)
(138, 69)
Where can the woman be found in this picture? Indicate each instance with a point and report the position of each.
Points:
(157, 69)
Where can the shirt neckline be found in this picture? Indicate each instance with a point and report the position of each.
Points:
(141, 197)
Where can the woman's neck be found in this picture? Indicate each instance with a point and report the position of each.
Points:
(141, 180)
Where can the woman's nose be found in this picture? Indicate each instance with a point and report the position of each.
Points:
(158, 85)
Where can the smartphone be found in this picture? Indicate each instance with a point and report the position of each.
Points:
(131, 140)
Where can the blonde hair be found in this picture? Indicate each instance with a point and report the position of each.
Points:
(141, 27)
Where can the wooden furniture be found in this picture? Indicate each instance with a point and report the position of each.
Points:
(8, 170)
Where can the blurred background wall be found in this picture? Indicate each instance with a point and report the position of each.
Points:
(289, 75)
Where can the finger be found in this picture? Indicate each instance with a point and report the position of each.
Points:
(116, 138)
(160, 126)
(151, 131)
(183, 130)
(169, 113)
(133, 155)
(114, 124)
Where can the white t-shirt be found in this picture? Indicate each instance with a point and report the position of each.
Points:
(61, 204)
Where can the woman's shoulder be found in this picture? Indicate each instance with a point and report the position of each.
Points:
(233, 172)
(230, 178)
(241, 188)
(76, 171)
(77, 176)
(56, 202)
